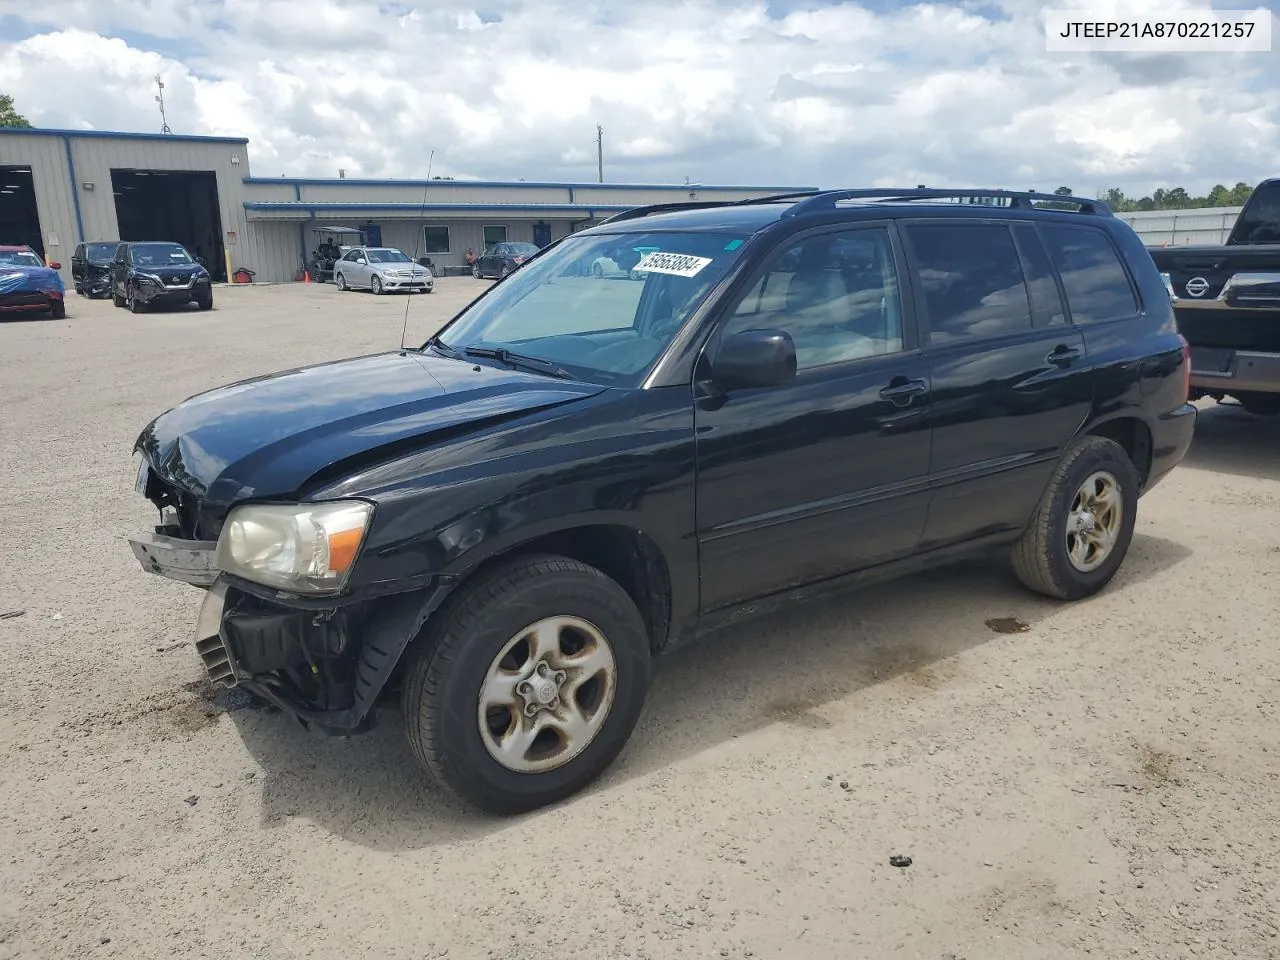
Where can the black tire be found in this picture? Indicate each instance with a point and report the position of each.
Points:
(597, 271)
(205, 303)
(475, 270)
(57, 310)
(1040, 558)
(1260, 404)
(449, 663)
(135, 305)
(116, 299)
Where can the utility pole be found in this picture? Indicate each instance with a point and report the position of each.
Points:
(164, 123)
(600, 152)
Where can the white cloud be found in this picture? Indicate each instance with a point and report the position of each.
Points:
(715, 90)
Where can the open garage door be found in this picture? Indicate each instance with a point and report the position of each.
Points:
(19, 217)
(176, 205)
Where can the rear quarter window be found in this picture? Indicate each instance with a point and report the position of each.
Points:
(1095, 281)
(1259, 221)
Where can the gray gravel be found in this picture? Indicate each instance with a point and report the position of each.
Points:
(1101, 783)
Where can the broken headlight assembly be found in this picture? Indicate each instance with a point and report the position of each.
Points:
(302, 548)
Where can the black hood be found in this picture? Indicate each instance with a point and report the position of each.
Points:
(266, 437)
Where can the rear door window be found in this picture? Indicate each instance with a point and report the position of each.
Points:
(1259, 221)
(1097, 285)
(971, 279)
(1046, 302)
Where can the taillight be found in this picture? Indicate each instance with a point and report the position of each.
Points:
(1186, 368)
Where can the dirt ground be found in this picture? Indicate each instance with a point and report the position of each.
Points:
(1095, 779)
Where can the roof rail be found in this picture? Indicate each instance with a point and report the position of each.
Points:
(636, 212)
(1027, 200)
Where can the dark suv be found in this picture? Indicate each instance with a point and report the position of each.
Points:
(159, 274)
(508, 523)
(91, 267)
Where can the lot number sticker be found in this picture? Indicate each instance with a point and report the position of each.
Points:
(677, 264)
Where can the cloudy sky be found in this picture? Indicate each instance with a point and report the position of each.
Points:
(781, 92)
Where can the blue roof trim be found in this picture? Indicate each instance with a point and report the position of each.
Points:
(307, 205)
(117, 135)
(523, 184)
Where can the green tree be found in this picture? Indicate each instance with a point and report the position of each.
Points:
(9, 117)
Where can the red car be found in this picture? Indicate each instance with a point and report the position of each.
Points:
(28, 286)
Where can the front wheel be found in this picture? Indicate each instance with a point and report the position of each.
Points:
(376, 286)
(528, 685)
(475, 270)
(135, 305)
(57, 310)
(116, 299)
(341, 282)
(205, 302)
(1082, 528)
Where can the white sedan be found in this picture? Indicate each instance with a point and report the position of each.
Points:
(382, 270)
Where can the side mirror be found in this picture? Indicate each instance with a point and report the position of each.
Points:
(755, 358)
(56, 265)
(202, 262)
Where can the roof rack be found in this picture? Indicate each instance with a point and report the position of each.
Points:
(655, 208)
(1019, 199)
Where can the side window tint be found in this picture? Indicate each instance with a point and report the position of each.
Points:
(972, 280)
(1096, 283)
(836, 294)
(1046, 303)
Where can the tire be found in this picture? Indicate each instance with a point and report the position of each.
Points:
(453, 657)
(135, 305)
(57, 310)
(1260, 404)
(340, 281)
(1042, 559)
(597, 271)
(504, 273)
(375, 286)
(205, 303)
(475, 270)
(116, 299)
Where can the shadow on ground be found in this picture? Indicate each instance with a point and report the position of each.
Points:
(784, 668)
(1228, 440)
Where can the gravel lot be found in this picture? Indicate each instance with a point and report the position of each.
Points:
(1103, 782)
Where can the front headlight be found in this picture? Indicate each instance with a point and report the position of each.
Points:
(297, 547)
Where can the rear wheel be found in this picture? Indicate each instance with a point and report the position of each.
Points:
(528, 684)
(1260, 404)
(1082, 528)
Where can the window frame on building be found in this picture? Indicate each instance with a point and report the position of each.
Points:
(448, 239)
(486, 243)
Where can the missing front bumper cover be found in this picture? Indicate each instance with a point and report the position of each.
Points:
(188, 561)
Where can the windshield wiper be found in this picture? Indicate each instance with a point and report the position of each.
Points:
(502, 354)
(440, 346)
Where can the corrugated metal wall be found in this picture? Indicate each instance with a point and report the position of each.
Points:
(1210, 225)
(46, 156)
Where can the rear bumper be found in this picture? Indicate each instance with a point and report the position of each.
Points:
(1171, 436)
(1235, 371)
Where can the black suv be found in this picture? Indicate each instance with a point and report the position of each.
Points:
(509, 522)
(159, 274)
(91, 267)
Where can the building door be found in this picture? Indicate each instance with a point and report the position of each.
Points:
(542, 234)
(371, 235)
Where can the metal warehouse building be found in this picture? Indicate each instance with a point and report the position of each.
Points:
(59, 188)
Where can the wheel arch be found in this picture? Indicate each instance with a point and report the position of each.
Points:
(1133, 434)
(625, 554)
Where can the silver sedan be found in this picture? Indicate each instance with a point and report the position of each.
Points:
(382, 270)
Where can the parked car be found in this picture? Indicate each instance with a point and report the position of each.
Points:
(91, 267)
(158, 274)
(1227, 300)
(381, 270)
(508, 523)
(500, 259)
(28, 286)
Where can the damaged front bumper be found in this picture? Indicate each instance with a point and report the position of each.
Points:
(324, 662)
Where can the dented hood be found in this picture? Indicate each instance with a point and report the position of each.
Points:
(268, 436)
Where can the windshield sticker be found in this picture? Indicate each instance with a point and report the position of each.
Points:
(733, 245)
(677, 264)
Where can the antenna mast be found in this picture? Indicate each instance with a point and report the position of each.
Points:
(164, 123)
(600, 152)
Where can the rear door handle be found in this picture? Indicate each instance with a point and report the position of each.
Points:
(900, 390)
(1064, 356)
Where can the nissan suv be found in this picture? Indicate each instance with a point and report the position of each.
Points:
(508, 523)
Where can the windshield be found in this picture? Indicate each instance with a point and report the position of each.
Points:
(100, 251)
(1259, 221)
(159, 254)
(386, 255)
(19, 258)
(599, 326)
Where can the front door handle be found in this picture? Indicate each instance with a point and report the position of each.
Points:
(1063, 355)
(900, 390)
